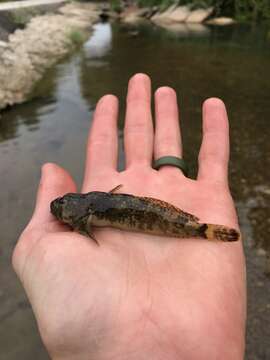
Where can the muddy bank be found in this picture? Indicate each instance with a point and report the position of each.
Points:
(30, 51)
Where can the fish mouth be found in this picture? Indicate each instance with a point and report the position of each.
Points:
(56, 208)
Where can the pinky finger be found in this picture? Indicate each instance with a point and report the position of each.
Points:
(214, 152)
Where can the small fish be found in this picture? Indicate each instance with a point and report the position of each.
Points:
(133, 213)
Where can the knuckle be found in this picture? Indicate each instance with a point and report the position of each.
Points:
(137, 100)
(137, 126)
(212, 157)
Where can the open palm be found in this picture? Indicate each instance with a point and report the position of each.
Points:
(139, 296)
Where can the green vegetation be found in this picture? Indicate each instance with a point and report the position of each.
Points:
(252, 9)
(77, 37)
(115, 5)
(22, 16)
(240, 9)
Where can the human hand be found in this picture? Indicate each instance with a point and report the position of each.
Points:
(139, 296)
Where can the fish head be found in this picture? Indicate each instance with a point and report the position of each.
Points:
(70, 208)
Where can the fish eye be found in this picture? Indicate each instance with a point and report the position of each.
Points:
(62, 201)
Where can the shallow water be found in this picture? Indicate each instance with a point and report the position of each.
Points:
(198, 62)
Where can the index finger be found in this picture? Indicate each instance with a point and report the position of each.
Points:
(102, 147)
(215, 148)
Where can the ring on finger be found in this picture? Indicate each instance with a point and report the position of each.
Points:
(171, 161)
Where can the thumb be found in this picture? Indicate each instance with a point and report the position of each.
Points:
(54, 182)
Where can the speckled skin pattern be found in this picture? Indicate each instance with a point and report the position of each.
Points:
(133, 213)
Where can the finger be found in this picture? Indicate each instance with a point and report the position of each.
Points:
(214, 152)
(167, 133)
(54, 182)
(138, 132)
(102, 147)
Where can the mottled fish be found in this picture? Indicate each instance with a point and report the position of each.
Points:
(133, 213)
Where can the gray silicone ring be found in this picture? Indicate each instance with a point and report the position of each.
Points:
(171, 161)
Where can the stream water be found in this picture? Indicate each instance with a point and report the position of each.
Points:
(198, 62)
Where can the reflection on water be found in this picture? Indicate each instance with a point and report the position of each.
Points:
(187, 30)
(100, 43)
(32, 111)
(198, 62)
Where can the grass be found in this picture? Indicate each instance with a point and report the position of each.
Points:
(115, 5)
(77, 37)
(22, 16)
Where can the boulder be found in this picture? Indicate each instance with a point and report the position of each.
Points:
(221, 21)
(199, 15)
(169, 10)
(180, 14)
(131, 18)
(41, 43)
(3, 44)
(132, 15)
(152, 12)
(144, 12)
(172, 15)
(163, 14)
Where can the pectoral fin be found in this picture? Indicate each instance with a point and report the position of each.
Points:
(92, 236)
(84, 227)
(89, 229)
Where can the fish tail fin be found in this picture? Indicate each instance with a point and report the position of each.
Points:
(219, 232)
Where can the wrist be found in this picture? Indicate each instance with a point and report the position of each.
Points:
(170, 338)
(143, 346)
(160, 346)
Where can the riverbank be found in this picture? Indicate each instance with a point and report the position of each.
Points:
(28, 52)
(240, 10)
(174, 15)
